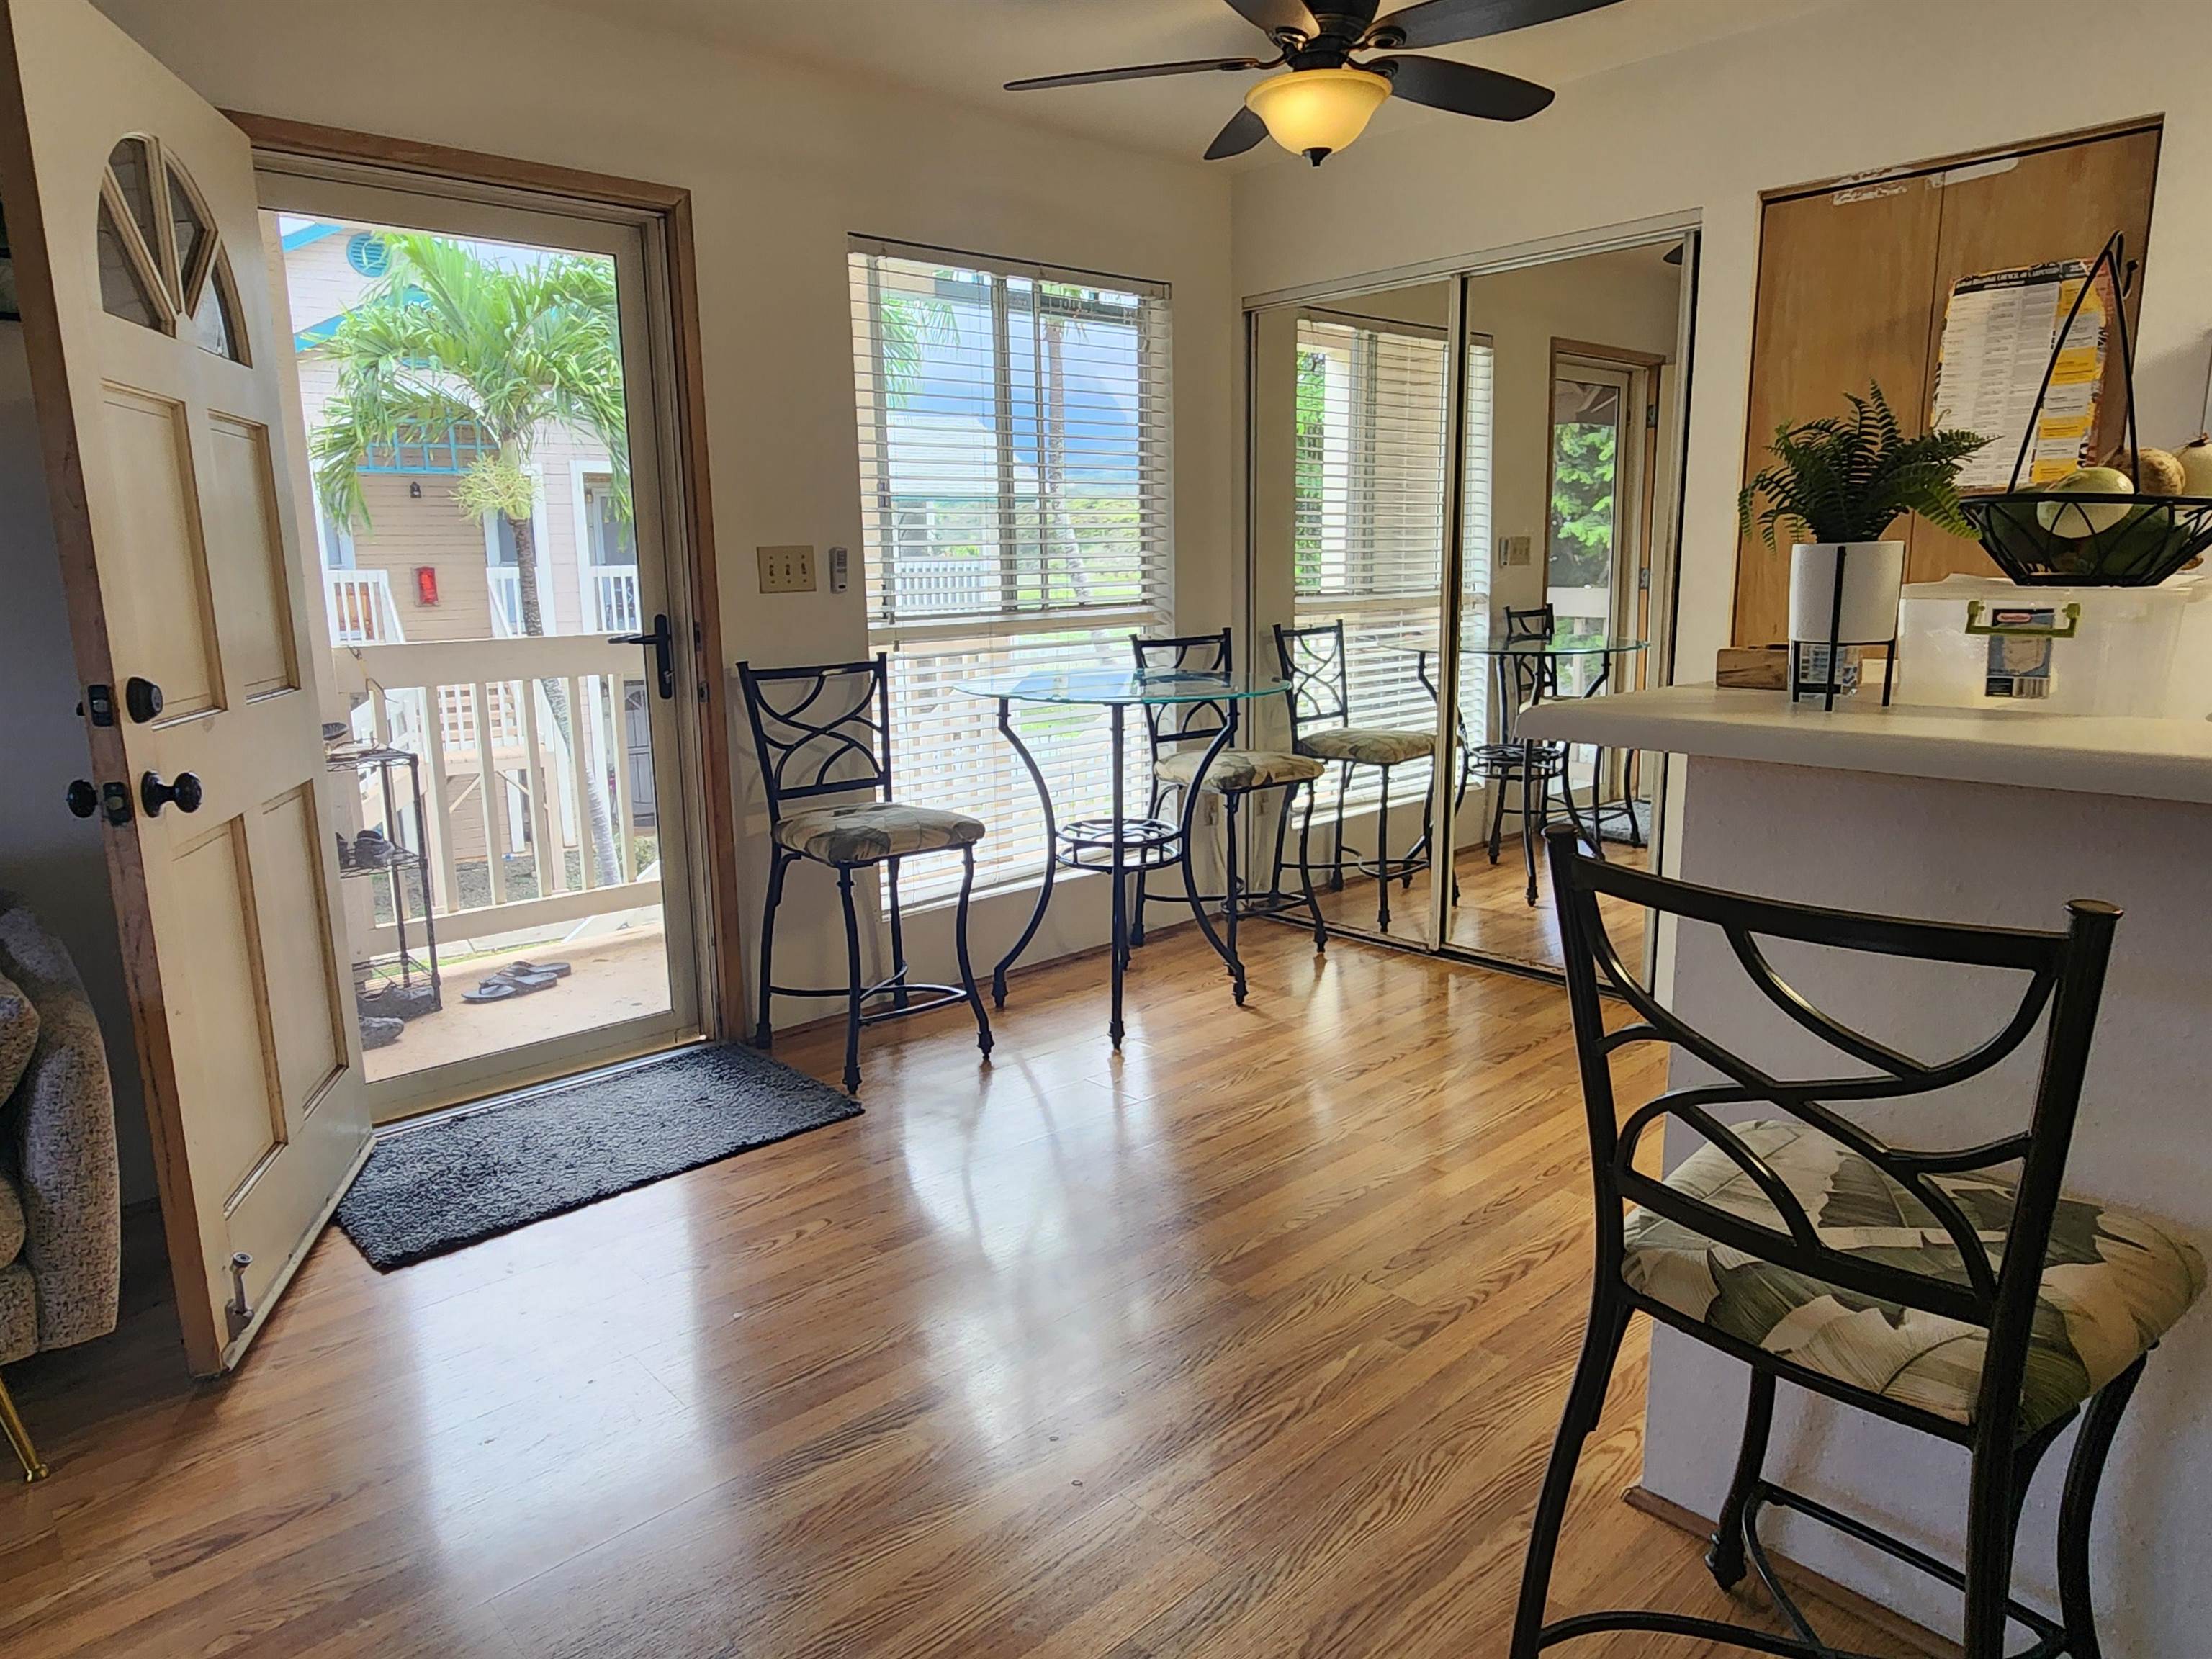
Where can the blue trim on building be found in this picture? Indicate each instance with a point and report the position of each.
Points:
(307, 234)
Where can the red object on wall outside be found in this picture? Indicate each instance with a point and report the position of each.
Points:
(426, 584)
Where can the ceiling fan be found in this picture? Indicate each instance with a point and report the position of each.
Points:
(1323, 99)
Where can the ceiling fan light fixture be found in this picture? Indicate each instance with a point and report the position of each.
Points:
(1317, 112)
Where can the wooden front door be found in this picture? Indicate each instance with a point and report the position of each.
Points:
(154, 353)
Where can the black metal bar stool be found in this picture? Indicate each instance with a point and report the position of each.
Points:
(826, 729)
(1313, 661)
(1537, 767)
(1181, 734)
(1823, 1256)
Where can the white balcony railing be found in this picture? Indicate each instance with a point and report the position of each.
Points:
(614, 598)
(510, 797)
(610, 601)
(360, 610)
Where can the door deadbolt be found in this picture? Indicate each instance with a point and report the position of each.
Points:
(82, 798)
(185, 795)
(142, 699)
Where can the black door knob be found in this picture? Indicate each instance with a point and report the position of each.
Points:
(184, 794)
(141, 698)
(83, 800)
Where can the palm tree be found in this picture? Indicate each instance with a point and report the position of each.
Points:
(448, 340)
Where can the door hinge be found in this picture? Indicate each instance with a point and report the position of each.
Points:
(1651, 417)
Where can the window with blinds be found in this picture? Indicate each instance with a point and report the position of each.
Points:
(1369, 529)
(1014, 489)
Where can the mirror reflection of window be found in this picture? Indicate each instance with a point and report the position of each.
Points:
(613, 535)
(1368, 520)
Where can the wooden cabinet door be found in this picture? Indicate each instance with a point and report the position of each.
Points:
(1852, 284)
(1843, 299)
(154, 355)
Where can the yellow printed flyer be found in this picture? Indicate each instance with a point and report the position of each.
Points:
(2000, 331)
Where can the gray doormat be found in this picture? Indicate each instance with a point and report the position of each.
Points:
(475, 1175)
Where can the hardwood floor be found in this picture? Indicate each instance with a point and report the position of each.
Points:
(1251, 1342)
(1493, 915)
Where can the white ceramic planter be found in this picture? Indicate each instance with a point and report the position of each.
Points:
(1873, 580)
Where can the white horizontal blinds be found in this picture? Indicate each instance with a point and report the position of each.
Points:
(1014, 442)
(1475, 530)
(1369, 527)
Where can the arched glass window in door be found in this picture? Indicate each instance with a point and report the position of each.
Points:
(162, 264)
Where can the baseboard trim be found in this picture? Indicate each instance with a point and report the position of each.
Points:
(1804, 1580)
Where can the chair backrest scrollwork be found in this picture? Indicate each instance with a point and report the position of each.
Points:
(1313, 662)
(1173, 723)
(2064, 974)
(824, 729)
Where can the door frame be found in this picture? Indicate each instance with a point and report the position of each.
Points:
(1635, 474)
(662, 213)
(1632, 536)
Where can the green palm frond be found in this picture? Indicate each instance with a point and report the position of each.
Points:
(1848, 478)
(450, 339)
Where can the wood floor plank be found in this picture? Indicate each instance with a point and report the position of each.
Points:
(1249, 1341)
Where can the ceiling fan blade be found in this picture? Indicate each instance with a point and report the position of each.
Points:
(1462, 89)
(1273, 15)
(1138, 72)
(1440, 22)
(1244, 130)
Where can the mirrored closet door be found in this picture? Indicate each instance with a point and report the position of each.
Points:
(1462, 504)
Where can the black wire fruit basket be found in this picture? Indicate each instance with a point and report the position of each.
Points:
(2076, 538)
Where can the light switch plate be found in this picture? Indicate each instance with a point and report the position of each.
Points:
(786, 569)
(1513, 550)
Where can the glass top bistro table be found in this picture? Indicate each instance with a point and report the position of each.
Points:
(1117, 844)
(1590, 654)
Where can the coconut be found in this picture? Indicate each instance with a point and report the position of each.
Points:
(2089, 518)
(2196, 459)
(2159, 472)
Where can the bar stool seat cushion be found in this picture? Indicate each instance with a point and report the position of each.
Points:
(2114, 1280)
(867, 831)
(1369, 745)
(1236, 770)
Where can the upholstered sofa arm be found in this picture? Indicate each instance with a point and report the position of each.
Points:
(58, 1135)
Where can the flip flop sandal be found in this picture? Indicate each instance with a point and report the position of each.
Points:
(525, 979)
(491, 990)
(558, 969)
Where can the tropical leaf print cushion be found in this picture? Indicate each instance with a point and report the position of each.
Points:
(2114, 1280)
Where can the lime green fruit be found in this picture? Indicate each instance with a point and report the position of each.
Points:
(2087, 518)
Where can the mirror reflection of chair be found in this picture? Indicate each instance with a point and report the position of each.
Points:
(1524, 679)
(1180, 733)
(1952, 1289)
(825, 730)
(1314, 662)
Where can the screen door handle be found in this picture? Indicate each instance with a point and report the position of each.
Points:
(664, 655)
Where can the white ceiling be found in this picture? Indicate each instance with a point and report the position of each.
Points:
(967, 48)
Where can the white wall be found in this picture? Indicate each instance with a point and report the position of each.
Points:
(54, 861)
(783, 163)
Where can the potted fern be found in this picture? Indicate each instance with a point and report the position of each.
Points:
(1842, 481)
